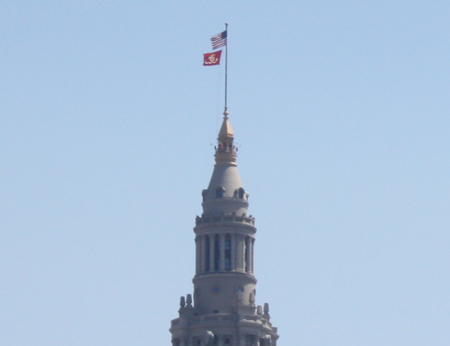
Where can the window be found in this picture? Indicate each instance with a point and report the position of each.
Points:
(217, 253)
(207, 254)
(228, 252)
(241, 193)
(219, 192)
(246, 254)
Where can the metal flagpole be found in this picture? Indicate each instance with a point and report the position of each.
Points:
(226, 65)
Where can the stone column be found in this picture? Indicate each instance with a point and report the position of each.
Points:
(239, 252)
(252, 247)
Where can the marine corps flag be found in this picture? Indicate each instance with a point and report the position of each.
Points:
(211, 59)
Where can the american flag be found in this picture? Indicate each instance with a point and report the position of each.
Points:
(219, 40)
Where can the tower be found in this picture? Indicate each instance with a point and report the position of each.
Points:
(224, 311)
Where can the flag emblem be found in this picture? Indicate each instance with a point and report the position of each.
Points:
(211, 59)
(219, 40)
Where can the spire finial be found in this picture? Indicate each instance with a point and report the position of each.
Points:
(225, 152)
(225, 113)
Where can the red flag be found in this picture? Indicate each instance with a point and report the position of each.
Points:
(211, 59)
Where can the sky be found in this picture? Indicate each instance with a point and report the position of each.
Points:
(107, 126)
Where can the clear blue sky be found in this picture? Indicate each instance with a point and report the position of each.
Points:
(107, 116)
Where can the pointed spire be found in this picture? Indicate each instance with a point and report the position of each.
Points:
(226, 132)
(225, 151)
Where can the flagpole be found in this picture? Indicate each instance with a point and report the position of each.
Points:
(226, 66)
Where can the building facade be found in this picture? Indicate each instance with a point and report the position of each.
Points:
(222, 310)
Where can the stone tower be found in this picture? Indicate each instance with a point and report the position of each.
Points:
(224, 311)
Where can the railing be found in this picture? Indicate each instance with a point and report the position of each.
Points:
(223, 317)
(207, 318)
(224, 218)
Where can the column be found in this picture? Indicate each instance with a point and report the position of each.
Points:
(239, 252)
(247, 254)
(252, 256)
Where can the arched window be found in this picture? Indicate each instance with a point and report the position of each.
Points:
(219, 192)
(241, 193)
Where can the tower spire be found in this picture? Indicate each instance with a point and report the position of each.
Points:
(224, 311)
(225, 150)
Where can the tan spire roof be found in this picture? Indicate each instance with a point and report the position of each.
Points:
(226, 132)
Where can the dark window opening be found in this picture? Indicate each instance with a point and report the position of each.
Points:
(246, 252)
(241, 193)
(207, 254)
(217, 253)
(219, 192)
(227, 252)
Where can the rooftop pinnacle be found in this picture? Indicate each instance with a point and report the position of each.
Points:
(225, 150)
(226, 132)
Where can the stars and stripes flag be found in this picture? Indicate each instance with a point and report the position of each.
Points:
(219, 40)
